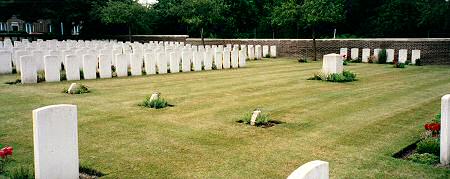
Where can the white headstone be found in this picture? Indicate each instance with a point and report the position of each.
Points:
(55, 137)
(266, 51)
(89, 67)
(5, 62)
(258, 52)
(242, 58)
(52, 65)
(332, 63)
(312, 170)
(104, 66)
(28, 69)
(150, 63)
(354, 52)
(136, 64)
(251, 52)
(18, 54)
(174, 63)
(38, 57)
(122, 64)
(343, 51)
(414, 56)
(255, 115)
(365, 55)
(155, 96)
(218, 60)
(445, 130)
(72, 68)
(161, 62)
(376, 52)
(273, 51)
(226, 59)
(402, 55)
(186, 57)
(208, 59)
(235, 58)
(197, 60)
(390, 55)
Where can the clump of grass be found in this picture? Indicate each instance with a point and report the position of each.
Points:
(400, 65)
(302, 60)
(346, 76)
(263, 120)
(267, 56)
(21, 172)
(79, 89)
(156, 103)
(429, 145)
(41, 76)
(424, 158)
(90, 171)
(13, 82)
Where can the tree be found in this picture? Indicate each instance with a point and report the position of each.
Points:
(201, 14)
(286, 14)
(316, 12)
(123, 12)
(434, 15)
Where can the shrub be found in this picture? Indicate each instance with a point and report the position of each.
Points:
(63, 76)
(419, 62)
(382, 57)
(267, 56)
(437, 118)
(263, 119)
(407, 62)
(346, 76)
(79, 89)
(428, 145)
(345, 63)
(302, 60)
(157, 103)
(424, 158)
(40, 76)
(399, 65)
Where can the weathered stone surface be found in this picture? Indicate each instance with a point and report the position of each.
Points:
(104, 66)
(332, 63)
(255, 115)
(5, 62)
(72, 68)
(28, 69)
(445, 130)
(89, 67)
(155, 96)
(55, 137)
(312, 170)
(52, 65)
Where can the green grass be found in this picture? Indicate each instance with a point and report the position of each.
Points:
(355, 126)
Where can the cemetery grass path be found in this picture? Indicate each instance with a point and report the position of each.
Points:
(354, 126)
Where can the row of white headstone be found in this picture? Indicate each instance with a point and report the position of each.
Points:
(366, 53)
(99, 56)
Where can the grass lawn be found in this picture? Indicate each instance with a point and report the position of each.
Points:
(355, 126)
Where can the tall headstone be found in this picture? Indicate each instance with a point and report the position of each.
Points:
(89, 67)
(162, 63)
(18, 54)
(390, 55)
(28, 69)
(354, 52)
(251, 52)
(72, 68)
(150, 63)
(273, 51)
(122, 64)
(55, 138)
(186, 57)
(332, 63)
(312, 170)
(218, 57)
(266, 51)
(104, 65)
(38, 57)
(414, 56)
(197, 60)
(445, 130)
(402, 55)
(174, 63)
(208, 57)
(343, 52)
(235, 58)
(5, 62)
(242, 58)
(136, 64)
(52, 65)
(376, 53)
(258, 52)
(365, 55)
(226, 59)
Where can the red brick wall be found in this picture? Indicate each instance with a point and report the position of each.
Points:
(433, 51)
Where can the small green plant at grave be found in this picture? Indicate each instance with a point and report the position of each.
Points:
(62, 76)
(407, 62)
(144, 72)
(302, 60)
(429, 145)
(14, 70)
(382, 56)
(158, 103)
(90, 171)
(437, 118)
(399, 65)
(21, 172)
(419, 62)
(41, 76)
(424, 158)
(214, 67)
(263, 120)
(346, 76)
(267, 56)
(81, 75)
(78, 89)
(17, 81)
(345, 63)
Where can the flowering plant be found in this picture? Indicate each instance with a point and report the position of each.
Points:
(5, 152)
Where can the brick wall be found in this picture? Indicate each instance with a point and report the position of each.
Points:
(433, 51)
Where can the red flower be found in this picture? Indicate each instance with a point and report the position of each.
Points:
(436, 127)
(8, 150)
(2, 154)
(427, 127)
